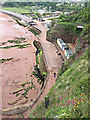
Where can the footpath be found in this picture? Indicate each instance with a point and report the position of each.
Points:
(53, 60)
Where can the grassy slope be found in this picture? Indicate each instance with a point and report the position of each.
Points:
(69, 96)
(17, 10)
(81, 17)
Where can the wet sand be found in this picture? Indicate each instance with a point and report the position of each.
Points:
(20, 67)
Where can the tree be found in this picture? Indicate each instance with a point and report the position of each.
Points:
(86, 4)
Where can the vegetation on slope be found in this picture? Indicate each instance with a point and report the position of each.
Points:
(35, 31)
(41, 63)
(66, 26)
(69, 96)
(60, 6)
(66, 31)
(82, 16)
(23, 11)
(15, 9)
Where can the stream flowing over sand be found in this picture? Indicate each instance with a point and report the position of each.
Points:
(15, 72)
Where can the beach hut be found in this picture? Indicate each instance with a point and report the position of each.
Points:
(59, 42)
(63, 46)
(68, 53)
(65, 51)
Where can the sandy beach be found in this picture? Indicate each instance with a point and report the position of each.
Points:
(18, 69)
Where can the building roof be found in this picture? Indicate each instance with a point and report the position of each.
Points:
(60, 40)
(64, 45)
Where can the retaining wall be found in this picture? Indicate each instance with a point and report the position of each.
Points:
(15, 15)
(44, 57)
(12, 15)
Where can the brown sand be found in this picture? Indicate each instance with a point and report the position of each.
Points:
(16, 70)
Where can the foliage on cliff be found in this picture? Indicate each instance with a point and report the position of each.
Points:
(68, 98)
(82, 16)
(66, 31)
(66, 26)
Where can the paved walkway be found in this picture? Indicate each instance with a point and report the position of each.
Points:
(53, 59)
(54, 62)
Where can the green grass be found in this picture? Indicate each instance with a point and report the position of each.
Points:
(14, 41)
(17, 40)
(40, 62)
(37, 59)
(68, 98)
(10, 41)
(17, 10)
